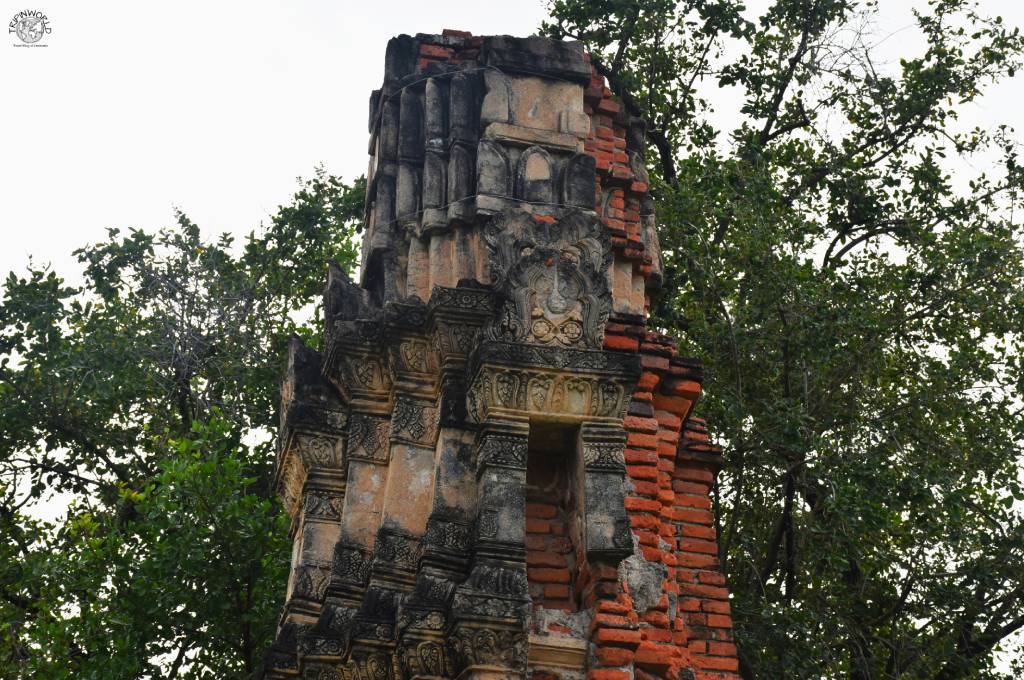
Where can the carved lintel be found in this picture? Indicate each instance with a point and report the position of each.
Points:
(547, 393)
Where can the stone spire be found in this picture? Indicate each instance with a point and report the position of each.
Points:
(492, 469)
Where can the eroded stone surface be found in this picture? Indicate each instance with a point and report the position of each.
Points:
(492, 469)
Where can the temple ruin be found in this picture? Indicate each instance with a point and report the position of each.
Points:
(492, 468)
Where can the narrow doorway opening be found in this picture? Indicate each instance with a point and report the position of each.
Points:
(552, 516)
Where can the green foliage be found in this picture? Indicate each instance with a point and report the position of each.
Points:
(145, 400)
(855, 289)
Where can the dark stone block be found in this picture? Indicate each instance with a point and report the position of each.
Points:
(536, 55)
(579, 180)
(400, 58)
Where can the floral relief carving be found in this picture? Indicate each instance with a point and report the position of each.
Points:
(545, 392)
(368, 438)
(553, 277)
(423, 659)
(365, 372)
(449, 535)
(604, 456)
(290, 483)
(400, 550)
(311, 582)
(351, 564)
(471, 646)
(317, 451)
(323, 506)
(414, 354)
(462, 298)
(503, 450)
(414, 421)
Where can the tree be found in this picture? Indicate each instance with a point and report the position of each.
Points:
(856, 293)
(146, 400)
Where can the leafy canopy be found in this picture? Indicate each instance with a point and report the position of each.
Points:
(855, 290)
(145, 399)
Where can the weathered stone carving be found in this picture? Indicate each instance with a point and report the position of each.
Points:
(413, 422)
(604, 456)
(320, 505)
(503, 451)
(368, 438)
(311, 581)
(455, 462)
(489, 647)
(554, 279)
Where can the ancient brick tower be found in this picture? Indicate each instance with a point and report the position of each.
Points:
(491, 469)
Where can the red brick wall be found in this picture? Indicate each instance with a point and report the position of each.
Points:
(619, 191)
(551, 530)
(672, 469)
(670, 462)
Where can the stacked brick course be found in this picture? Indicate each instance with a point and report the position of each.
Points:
(672, 469)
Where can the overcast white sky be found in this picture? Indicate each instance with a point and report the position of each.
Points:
(216, 107)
